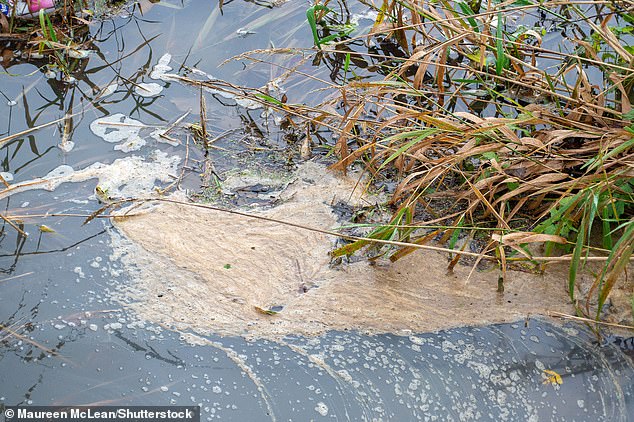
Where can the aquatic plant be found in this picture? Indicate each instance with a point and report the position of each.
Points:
(315, 14)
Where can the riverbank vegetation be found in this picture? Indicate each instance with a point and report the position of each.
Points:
(505, 125)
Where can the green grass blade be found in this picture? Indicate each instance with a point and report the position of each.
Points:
(576, 255)
(411, 134)
(270, 99)
(456, 233)
(329, 38)
(421, 135)
(49, 25)
(310, 16)
(469, 14)
(500, 56)
(598, 161)
(607, 235)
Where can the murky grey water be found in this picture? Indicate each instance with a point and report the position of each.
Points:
(63, 341)
(489, 373)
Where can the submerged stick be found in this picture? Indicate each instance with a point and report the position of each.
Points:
(16, 276)
(12, 224)
(165, 133)
(33, 129)
(43, 348)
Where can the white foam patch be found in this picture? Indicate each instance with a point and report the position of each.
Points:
(258, 264)
(151, 89)
(161, 68)
(66, 146)
(127, 177)
(78, 54)
(118, 128)
(126, 131)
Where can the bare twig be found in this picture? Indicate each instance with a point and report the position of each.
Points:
(588, 320)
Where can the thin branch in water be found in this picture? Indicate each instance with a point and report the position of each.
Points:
(588, 320)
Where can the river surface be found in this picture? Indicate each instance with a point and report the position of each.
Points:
(64, 340)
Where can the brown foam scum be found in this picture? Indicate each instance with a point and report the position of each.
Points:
(207, 271)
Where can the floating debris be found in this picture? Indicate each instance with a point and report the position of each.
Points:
(78, 54)
(151, 89)
(126, 177)
(552, 378)
(161, 68)
(243, 32)
(46, 229)
(119, 128)
(265, 311)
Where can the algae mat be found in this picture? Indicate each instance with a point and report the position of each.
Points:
(208, 271)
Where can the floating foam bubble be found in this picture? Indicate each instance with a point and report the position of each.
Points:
(321, 408)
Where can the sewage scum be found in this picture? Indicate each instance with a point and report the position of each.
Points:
(214, 272)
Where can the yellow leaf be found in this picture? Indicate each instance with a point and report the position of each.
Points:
(553, 377)
(265, 311)
(46, 229)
